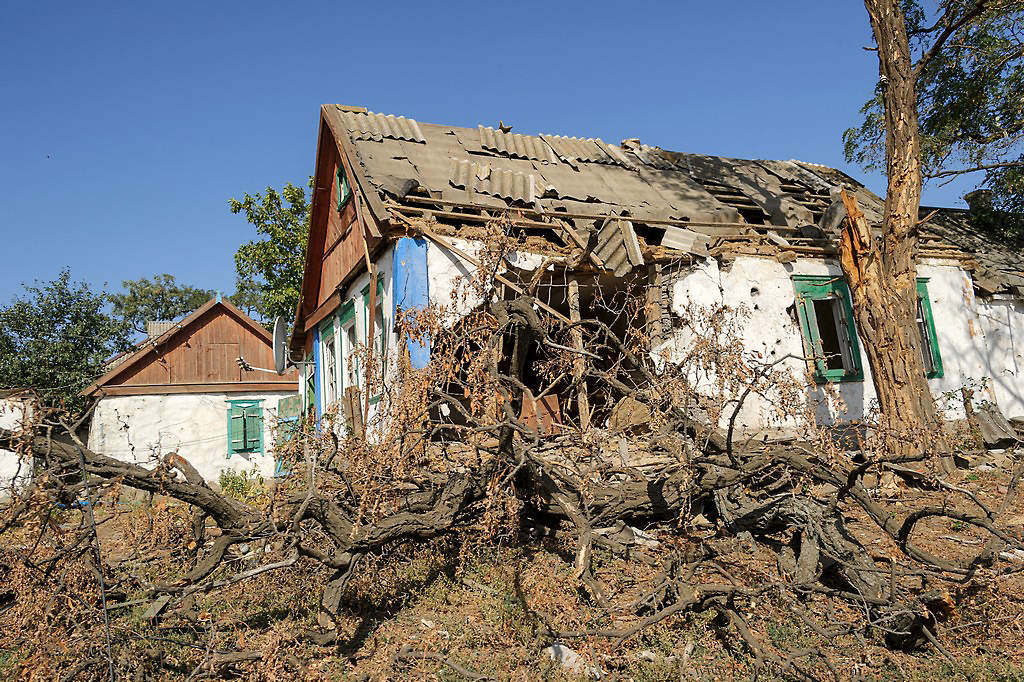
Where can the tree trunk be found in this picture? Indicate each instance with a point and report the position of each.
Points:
(883, 276)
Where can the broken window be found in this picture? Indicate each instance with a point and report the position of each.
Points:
(926, 327)
(344, 191)
(826, 321)
(379, 345)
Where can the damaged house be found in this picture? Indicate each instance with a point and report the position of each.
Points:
(398, 205)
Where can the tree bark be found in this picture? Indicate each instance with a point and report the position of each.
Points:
(883, 276)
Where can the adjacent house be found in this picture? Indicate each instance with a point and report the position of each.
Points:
(16, 409)
(396, 217)
(184, 390)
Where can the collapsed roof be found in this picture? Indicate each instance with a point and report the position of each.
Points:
(679, 202)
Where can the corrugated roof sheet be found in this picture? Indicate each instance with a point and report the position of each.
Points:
(491, 169)
(571, 149)
(617, 248)
(371, 126)
(516, 146)
(481, 177)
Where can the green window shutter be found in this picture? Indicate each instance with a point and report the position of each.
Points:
(930, 341)
(236, 429)
(253, 428)
(287, 418)
(811, 288)
(245, 426)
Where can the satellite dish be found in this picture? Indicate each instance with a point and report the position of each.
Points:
(280, 344)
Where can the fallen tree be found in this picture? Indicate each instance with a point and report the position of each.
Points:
(456, 456)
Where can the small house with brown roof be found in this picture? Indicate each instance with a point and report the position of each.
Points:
(184, 390)
(401, 203)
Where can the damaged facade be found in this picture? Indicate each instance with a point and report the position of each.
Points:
(401, 203)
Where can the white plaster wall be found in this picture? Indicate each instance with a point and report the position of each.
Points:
(449, 274)
(13, 472)
(140, 429)
(1003, 326)
(762, 289)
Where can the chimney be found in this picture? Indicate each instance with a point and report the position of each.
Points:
(155, 328)
(979, 201)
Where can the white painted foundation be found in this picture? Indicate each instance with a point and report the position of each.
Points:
(142, 428)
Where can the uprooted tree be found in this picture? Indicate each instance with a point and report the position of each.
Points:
(454, 452)
(948, 93)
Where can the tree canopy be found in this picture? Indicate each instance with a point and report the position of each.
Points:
(160, 298)
(269, 268)
(970, 97)
(56, 339)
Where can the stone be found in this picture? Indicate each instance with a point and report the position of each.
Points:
(572, 661)
(629, 414)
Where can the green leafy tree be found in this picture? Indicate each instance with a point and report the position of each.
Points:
(270, 268)
(56, 339)
(160, 298)
(967, 67)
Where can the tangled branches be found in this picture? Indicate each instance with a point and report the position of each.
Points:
(458, 451)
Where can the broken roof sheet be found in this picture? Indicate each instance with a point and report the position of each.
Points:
(590, 178)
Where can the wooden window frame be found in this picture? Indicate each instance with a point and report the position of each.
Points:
(346, 319)
(810, 288)
(380, 332)
(245, 406)
(328, 336)
(931, 343)
(344, 189)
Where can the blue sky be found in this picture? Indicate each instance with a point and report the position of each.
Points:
(128, 126)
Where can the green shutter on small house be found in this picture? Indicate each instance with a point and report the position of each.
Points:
(236, 429)
(245, 426)
(253, 428)
(288, 410)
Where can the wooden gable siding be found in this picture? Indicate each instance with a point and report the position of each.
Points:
(336, 247)
(343, 247)
(338, 240)
(205, 352)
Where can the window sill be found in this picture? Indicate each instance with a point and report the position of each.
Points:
(838, 379)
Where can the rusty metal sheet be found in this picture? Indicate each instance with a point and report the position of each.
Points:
(371, 126)
(516, 146)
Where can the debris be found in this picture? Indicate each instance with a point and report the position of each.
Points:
(156, 608)
(572, 661)
(629, 414)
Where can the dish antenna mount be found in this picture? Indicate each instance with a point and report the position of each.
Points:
(280, 344)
